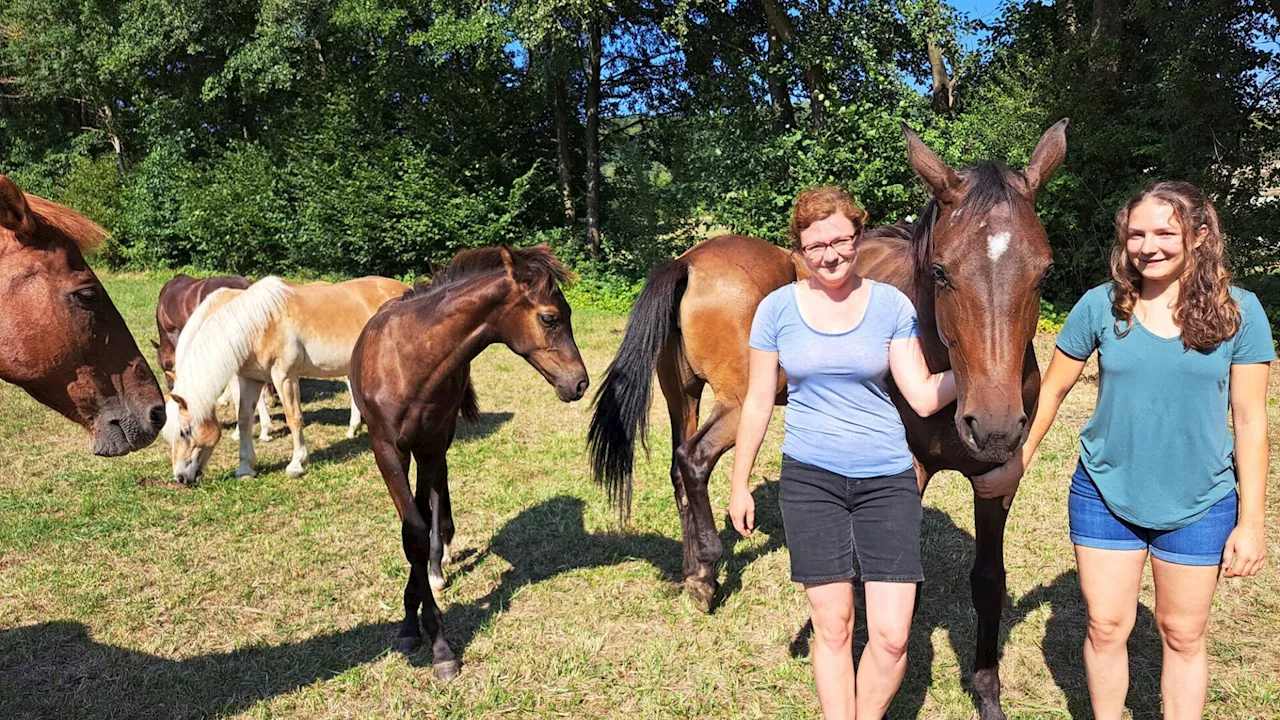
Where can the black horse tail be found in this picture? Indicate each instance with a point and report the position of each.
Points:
(622, 403)
(470, 408)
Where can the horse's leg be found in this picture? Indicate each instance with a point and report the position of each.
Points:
(697, 457)
(987, 585)
(264, 416)
(291, 399)
(246, 389)
(683, 392)
(430, 474)
(231, 394)
(415, 537)
(446, 517)
(354, 425)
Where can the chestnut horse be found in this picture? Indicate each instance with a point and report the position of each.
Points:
(973, 266)
(411, 378)
(274, 332)
(61, 338)
(179, 298)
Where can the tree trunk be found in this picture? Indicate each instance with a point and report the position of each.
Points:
(1107, 16)
(815, 78)
(564, 168)
(594, 52)
(943, 83)
(1067, 10)
(779, 93)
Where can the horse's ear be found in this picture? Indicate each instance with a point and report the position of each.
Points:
(508, 261)
(15, 215)
(155, 344)
(179, 400)
(1047, 157)
(941, 179)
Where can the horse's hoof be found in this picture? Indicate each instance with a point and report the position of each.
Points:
(447, 670)
(701, 594)
(235, 435)
(351, 434)
(264, 438)
(437, 582)
(294, 472)
(407, 644)
(992, 712)
(243, 473)
(447, 557)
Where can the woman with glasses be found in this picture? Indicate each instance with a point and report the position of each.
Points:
(848, 490)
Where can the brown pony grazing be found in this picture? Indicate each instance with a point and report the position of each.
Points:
(973, 266)
(61, 338)
(179, 298)
(411, 378)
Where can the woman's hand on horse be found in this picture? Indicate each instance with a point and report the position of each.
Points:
(1002, 482)
(742, 511)
(1246, 552)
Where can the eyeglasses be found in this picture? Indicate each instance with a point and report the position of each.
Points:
(842, 246)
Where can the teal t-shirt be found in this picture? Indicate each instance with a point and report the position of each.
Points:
(1158, 446)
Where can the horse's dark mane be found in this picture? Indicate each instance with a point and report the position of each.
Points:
(989, 185)
(535, 268)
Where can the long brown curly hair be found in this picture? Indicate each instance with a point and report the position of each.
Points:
(1205, 311)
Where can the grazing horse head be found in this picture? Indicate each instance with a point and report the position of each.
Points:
(534, 320)
(982, 260)
(61, 338)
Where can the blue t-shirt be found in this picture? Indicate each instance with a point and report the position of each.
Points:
(1158, 446)
(839, 415)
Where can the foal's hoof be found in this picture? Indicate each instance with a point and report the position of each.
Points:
(437, 582)
(246, 473)
(701, 594)
(293, 472)
(406, 644)
(264, 438)
(447, 670)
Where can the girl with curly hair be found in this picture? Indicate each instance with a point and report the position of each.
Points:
(1159, 473)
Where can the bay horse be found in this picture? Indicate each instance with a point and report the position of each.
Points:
(272, 332)
(179, 298)
(974, 266)
(411, 378)
(62, 340)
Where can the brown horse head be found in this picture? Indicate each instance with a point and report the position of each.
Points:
(534, 320)
(982, 260)
(61, 338)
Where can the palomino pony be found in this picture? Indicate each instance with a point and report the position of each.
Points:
(61, 338)
(411, 377)
(973, 266)
(179, 298)
(273, 332)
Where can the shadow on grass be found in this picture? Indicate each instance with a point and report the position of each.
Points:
(948, 555)
(56, 670)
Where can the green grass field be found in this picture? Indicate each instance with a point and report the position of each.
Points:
(123, 595)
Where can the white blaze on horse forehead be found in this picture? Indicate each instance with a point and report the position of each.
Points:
(997, 244)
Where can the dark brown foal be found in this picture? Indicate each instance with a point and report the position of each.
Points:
(411, 378)
(973, 266)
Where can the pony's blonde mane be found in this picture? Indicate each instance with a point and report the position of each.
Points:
(215, 343)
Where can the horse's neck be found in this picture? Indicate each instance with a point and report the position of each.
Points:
(935, 352)
(465, 324)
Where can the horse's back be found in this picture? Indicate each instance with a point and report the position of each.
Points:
(728, 277)
(322, 322)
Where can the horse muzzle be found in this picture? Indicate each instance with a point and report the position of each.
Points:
(119, 430)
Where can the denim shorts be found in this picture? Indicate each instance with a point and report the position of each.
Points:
(840, 528)
(1093, 525)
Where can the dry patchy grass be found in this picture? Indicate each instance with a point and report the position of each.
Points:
(123, 595)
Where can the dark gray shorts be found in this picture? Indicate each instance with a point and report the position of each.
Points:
(840, 528)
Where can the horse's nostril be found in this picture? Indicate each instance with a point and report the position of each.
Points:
(582, 386)
(1022, 424)
(157, 417)
(971, 423)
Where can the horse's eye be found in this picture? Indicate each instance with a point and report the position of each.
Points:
(549, 319)
(940, 276)
(85, 297)
(1045, 277)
